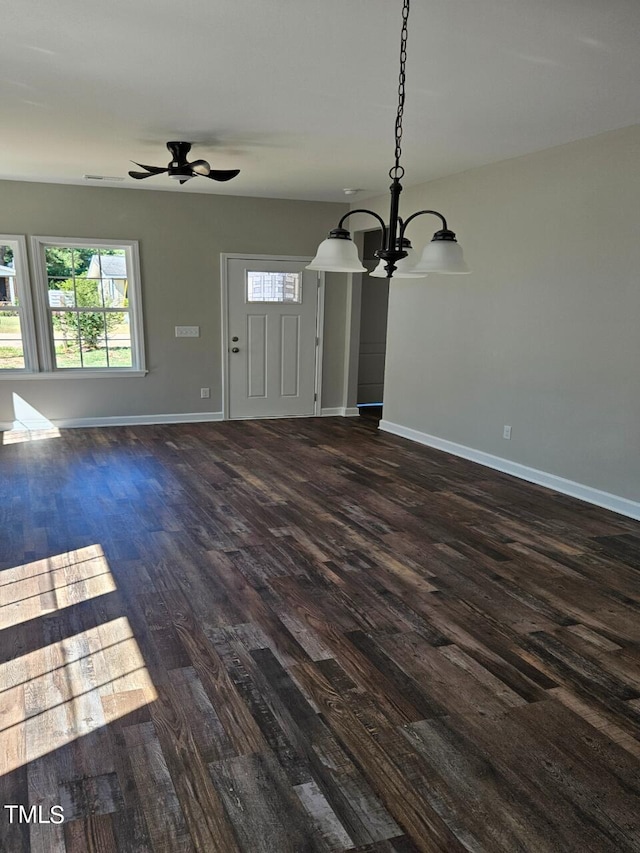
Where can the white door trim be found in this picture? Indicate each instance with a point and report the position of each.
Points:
(225, 257)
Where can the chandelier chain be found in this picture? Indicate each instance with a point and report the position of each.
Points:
(398, 171)
(338, 253)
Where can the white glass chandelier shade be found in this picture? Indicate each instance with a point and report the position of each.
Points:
(397, 260)
(404, 267)
(337, 254)
(442, 256)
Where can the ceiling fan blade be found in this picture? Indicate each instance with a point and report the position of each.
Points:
(154, 170)
(222, 174)
(199, 167)
(140, 175)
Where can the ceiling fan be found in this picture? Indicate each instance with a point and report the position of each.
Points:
(183, 171)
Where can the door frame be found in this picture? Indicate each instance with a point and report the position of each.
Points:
(225, 257)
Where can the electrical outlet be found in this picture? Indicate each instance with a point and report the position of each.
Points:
(506, 431)
(187, 331)
(205, 393)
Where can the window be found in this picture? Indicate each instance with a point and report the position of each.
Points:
(17, 339)
(273, 287)
(89, 306)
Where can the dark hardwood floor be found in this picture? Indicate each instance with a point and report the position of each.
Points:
(304, 635)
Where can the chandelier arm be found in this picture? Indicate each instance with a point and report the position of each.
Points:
(371, 213)
(420, 213)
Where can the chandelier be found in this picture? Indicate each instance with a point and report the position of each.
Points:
(338, 253)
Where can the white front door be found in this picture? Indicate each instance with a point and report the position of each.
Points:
(271, 338)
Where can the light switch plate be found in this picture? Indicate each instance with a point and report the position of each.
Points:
(187, 331)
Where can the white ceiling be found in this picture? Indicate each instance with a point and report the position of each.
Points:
(301, 94)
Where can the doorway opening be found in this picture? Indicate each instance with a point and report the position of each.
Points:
(374, 302)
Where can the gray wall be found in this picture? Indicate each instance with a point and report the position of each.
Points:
(181, 237)
(545, 334)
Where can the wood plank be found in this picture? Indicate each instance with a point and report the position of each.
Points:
(264, 811)
(91, 835)
(165, 820)
(308, 635)
(202, 808)
(405, 803)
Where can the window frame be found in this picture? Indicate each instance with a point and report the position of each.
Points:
(24, 309)
(43, 315)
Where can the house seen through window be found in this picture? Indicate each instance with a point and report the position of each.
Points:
(90, 304)
(17, 336)
(88, 296)
(11, 339)
(82, 312)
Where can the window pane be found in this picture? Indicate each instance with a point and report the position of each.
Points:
(8, 294)
(88, 293)
(113, 263)
(66, 338)
(89, 296)
(93, 356)
(120, 353)
(118, 340)
(11, 346)
(67, 352)
(110, 266)
(68, 357)
(8, 288)
(92, 339)
(273, 287)
(118, 328)
(59, 261)
(17, 345)
(115, 292)
(87, 262)
(61, 293)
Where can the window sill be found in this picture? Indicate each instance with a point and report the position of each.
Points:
(73, 373)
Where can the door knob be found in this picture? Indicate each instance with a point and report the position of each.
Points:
(235, 349)
(235, 338)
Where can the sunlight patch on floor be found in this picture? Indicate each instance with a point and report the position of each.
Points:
(67, 689)
(44, 586)
(19, 436)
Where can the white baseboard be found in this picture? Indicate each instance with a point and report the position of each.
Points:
(140, 420)
(621, 505)
(118, 420)
(340, 412)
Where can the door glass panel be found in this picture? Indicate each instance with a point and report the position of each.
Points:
(274, 287)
